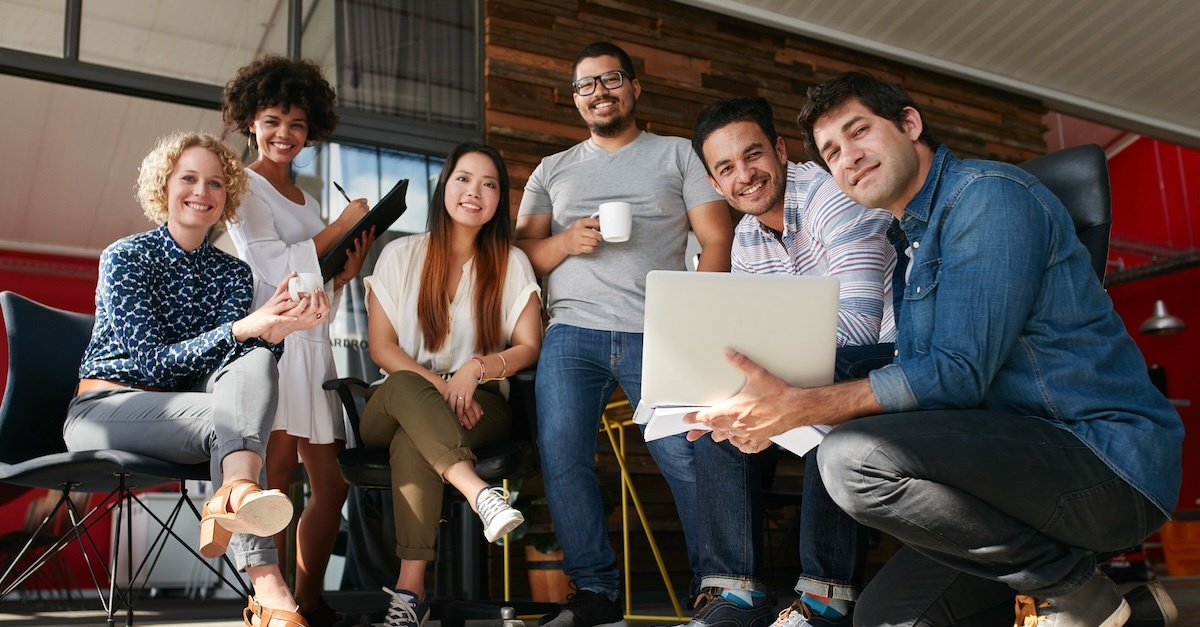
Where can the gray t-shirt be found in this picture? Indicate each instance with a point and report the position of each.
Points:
(662, 178)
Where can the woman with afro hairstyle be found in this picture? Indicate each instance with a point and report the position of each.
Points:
(283, 105)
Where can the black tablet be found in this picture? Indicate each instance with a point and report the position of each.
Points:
(383, 215)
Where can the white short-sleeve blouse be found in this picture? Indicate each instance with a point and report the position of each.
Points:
(396, 284)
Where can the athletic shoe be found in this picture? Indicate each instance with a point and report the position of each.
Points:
(1150, 606)
(587, 609)
(497, 515)
(799, 614)
(403, 612)
(1097, 604)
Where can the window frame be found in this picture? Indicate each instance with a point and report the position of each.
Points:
(355, 126)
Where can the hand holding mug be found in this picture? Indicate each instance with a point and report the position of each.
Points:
(304, 283)
(581, 237)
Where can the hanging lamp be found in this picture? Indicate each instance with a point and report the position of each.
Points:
(1161, 323)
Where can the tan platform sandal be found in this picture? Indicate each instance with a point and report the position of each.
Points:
(241, 506)
(258, 615)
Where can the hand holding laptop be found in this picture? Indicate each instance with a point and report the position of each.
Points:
(756, 416)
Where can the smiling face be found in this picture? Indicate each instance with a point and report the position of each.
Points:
(607, 112)
(473, 190)
(876, 163)
(280, 134)
(748, 170)
(196, 195)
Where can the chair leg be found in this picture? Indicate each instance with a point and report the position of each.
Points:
(120, 505)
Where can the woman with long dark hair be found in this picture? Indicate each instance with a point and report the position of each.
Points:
(451, 313)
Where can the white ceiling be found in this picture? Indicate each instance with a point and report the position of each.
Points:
(1131, 64)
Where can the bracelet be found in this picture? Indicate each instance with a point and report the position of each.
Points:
(504, 370)
(482, 369)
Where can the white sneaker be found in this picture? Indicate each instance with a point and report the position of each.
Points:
(497, 515)
(1097, 604)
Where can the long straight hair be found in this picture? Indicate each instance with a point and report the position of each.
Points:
(492, 246)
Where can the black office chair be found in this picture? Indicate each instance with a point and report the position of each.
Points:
(45, 346)
(1079, 177)
(460, 574)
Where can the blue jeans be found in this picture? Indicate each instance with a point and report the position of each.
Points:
(833, 546)
(578, 369)
(987, 504)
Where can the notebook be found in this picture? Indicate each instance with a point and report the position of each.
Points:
(785, 323)
(381, 216)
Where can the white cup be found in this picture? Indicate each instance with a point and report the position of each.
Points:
(304, 283)
(616, 221)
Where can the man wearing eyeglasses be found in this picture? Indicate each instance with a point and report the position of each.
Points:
(595, 296)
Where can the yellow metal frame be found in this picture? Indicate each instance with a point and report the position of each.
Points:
(615, 429)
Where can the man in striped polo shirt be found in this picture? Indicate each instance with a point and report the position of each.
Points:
(797, 221)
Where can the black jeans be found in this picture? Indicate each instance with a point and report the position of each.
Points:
(996, 503)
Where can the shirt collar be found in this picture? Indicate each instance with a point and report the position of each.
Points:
(921, 206)
(171, 251)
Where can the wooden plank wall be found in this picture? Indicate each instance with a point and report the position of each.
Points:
(685, 58)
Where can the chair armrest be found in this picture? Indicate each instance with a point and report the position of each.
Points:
(523, 400)
(351, 391)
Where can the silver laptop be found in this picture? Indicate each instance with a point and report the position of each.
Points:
(787, 324)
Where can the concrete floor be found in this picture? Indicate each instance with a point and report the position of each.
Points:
(227, 612)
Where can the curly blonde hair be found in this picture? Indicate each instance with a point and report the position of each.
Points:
(158, 165)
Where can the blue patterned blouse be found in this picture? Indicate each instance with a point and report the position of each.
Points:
(164, 316)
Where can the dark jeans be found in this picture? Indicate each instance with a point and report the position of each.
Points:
(833, 546)
(987, 504)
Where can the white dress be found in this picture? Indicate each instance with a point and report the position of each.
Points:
(274, 235)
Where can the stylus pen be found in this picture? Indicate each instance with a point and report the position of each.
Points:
(343, 192)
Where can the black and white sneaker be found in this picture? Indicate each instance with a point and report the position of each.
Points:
(405, 609)
(587, 609)
(717, 611)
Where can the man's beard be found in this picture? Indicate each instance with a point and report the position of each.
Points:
(614, 126)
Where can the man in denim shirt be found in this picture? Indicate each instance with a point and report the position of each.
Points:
(1017, 434)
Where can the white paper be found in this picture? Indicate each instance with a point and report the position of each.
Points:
(666, 421)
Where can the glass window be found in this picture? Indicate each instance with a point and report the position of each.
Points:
(204, 42)
(368, 172)
(316, 40)
(69, 188)
(33, 26)
(411, 58)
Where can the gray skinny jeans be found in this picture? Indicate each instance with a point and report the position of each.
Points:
(235, 412)
(987, 504)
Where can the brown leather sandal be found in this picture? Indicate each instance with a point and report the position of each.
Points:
(258, 615)
(241, 506)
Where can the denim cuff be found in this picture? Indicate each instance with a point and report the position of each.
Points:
(842, 591)
(891, 389)
(255, 558)
(733, 582)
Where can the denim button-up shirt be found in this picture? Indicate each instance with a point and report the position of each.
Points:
(164, 316)
(1003, 311)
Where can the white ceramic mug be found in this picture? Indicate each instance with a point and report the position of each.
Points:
(616, 221)
(304, 283)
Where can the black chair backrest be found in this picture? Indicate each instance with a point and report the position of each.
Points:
(45, 346)
(1079, 177)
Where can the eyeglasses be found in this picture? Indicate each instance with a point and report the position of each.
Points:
(611, 80)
